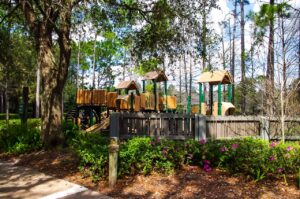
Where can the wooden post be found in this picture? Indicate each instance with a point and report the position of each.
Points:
(265, 128)
(113, 149)
(219, 99)
(202, 127)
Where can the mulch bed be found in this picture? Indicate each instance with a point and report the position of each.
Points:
(190, 182)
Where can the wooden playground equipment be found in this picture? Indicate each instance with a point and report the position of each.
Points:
(93, 106)
(213, 78)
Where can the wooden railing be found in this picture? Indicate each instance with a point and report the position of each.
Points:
(184, 126)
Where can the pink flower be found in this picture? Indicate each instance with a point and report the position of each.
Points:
(289, 148)
(190, 156)
(206, 162)
(271, 158)
(157, 139)
(234, 146)
(207, 168)
(152, 143)
(202, 141)
(280, 170)
(223, 149)
(273, 144)
(192, 168)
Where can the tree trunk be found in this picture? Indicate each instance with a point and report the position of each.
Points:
(6, 103)
(94, 61)
(78, 62)
(185, 76)
(270, 67)
(232, 69)
(37, 94)
(243, 66)
(180, 93)
(203, 36)
(53, 72)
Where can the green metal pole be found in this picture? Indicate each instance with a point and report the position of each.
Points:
(155, 97)
(189, 104)
(229, 93)
(143, 86)
(200, 98)
(166, 95)
(219, 99)
(131, 101)
(211, 100)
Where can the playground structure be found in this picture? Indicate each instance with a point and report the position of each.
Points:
(94, 106)
(213, 78)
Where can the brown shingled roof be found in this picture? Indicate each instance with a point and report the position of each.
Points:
(159, 76)
(216, 77)
(130, 85)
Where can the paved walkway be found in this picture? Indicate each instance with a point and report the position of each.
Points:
(19, 183)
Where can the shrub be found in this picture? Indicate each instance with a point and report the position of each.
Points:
(92, 150)
(16, 138)
(253, 157)
(144, 154)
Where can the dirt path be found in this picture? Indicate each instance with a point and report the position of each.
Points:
(20, 182)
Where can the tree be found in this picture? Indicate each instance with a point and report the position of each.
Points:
(46, 19)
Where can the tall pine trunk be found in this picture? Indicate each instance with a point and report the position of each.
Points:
(232, 69)
(270, 66)
(243, 57)
(37, 93)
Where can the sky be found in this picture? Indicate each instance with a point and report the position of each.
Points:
(219, 15)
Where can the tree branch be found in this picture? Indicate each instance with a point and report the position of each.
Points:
(10, 13)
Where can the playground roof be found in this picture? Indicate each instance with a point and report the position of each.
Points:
(159, 76)
(130, 85)
(216, 77)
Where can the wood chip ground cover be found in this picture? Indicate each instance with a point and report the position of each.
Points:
(190, 182)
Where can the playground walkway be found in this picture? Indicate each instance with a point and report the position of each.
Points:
(18, 182)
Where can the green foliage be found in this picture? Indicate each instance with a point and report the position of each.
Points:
(147, 66)
(93, 153)
(253, 157)
(16, 138)
(144, 155)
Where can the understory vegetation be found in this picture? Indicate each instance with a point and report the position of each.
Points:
(17, 138)
(255, 158)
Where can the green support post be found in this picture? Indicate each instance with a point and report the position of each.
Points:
(126, 91)
(166, 95)
(155, 97)
(200, 98)
(189, 104)
(211, 100)
(143, 89)
(219, 99)
(229, 93)
(131, 101)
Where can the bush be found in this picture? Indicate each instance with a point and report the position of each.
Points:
(143, 154)
(16, 138)
(253, 157)
(92, 150)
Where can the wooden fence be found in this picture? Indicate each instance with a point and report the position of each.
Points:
(184, 126)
